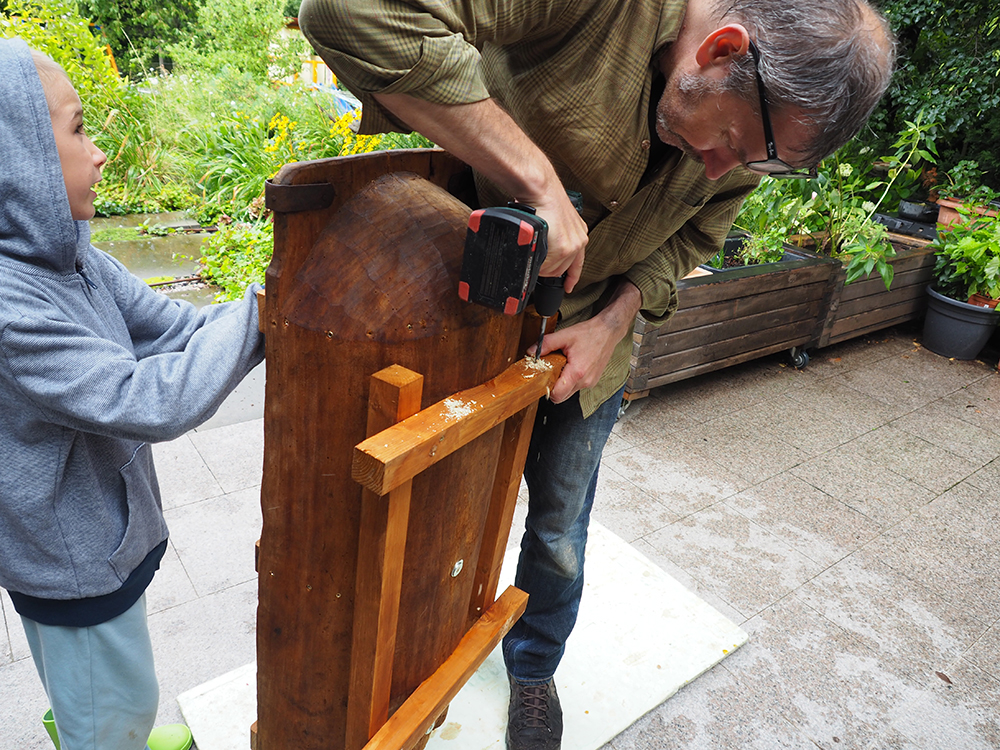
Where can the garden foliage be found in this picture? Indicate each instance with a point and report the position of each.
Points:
(949, 68)
(206, 136)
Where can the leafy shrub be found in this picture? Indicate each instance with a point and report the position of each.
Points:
(243, 35)
(949, 55)
(139, 32)
(968, 258)
(236, 256)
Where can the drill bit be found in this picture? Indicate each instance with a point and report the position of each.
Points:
(541, 337)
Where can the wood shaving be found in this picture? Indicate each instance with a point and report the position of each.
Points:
(537, 365)
(456, 409)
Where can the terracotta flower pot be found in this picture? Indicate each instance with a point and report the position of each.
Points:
(980, 300)
(948, 211)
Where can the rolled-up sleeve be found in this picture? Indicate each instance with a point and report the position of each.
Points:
(701, 236)
(393, 47)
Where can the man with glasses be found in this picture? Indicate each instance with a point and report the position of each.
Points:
(663, 114)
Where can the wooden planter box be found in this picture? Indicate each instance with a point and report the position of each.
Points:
(732, 316)
(865, 306)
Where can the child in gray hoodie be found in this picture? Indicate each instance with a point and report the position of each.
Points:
(93, 367)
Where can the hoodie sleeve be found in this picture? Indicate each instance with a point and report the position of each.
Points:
(181, 365)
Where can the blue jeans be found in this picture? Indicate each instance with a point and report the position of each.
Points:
(561, 473)
(99, 680)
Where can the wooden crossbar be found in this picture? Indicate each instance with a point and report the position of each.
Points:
(418, 713)
(397, 454)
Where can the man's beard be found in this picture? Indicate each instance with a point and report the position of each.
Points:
(681, 96)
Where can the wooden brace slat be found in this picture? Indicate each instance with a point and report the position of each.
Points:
(395, 394)
(417, 715)
(397, 454)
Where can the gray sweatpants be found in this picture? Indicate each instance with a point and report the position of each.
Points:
(99, 680)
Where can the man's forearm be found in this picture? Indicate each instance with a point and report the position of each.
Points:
(619, 314)
(484, 136)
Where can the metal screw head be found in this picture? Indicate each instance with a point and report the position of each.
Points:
(457, 568)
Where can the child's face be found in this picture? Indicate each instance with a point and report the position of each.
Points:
(81, 160)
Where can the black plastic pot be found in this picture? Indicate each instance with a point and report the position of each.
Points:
(925, 213)
(957, 329)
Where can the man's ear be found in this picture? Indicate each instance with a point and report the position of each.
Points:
(723, 44)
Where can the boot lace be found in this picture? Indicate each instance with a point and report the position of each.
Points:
(535, 705)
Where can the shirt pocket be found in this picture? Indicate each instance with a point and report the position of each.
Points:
(145, 527)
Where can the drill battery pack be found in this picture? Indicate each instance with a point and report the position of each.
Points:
(504, 248)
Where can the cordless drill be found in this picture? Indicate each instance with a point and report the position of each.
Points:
(504, 249)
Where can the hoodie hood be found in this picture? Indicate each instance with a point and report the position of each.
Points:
(36, 225)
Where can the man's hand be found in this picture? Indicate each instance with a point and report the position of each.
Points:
(485, 137)
(588, 345)
(567, 237)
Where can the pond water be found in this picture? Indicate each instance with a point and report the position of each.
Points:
(160, 259)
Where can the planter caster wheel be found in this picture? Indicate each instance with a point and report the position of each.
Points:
(798, 357)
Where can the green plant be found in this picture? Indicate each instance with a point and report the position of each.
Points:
(841, 217)
(948, 58)
(968, 258)
(140, 31)
(837, 208)
(965, 183)
(237, 255)
(115, 113)
(243, 35)
(769, 215)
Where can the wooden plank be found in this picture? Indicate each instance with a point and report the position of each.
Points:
(736, 328)
(721, 310)
(394, 395)
(700, 369)
(411, 722)
(510, 467)
(744, 347)
(261, 316)
(752, 280)
(874, 287)
(395, 455)
(873, 320)
(872, 303)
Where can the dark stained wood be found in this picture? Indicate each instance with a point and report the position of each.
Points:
(865, 305)
(739, 315)
(368, 282)
(675, 375)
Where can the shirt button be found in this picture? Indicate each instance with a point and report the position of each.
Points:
(614, 204)
(645, 144)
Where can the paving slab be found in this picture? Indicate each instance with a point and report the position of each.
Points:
(679, 481)
(892, 614)
(809, 520)
(745, 564)
(865, 485)
(215, 539)
(820, 677)
(234, 453)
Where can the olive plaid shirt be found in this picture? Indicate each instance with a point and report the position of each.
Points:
(577, 76)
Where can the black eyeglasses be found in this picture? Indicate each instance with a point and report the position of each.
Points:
(772, 165)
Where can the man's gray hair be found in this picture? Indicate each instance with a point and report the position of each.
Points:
(833, 59)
